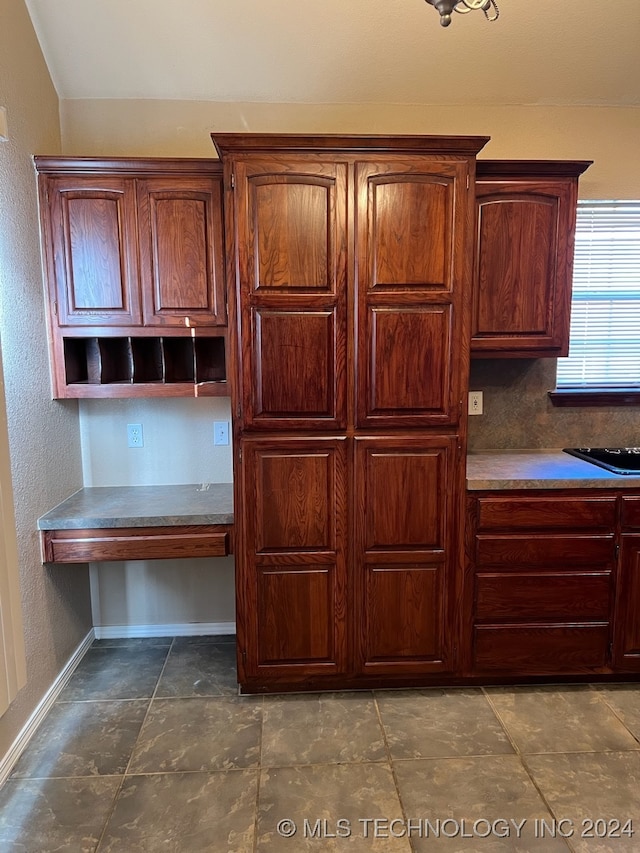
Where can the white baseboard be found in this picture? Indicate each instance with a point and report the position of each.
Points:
(44, 706)
(178, 629)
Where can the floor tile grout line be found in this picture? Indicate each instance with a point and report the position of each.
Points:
(133, 749)
(498, 716)
(519, 755)
(389, 762)
(603, 698)
(542, 794)
(258, 779)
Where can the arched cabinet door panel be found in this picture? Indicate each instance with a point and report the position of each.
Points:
(291, 261)
(410, 285)
(93, 255)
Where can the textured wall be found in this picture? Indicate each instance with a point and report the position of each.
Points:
(43, 436)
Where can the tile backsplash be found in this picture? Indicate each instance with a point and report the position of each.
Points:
(518, 412)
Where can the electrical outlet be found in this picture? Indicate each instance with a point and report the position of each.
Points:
(135, 437)
(221, 432)
(475, 402)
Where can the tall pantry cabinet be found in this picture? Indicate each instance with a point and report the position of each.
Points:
(349, 280)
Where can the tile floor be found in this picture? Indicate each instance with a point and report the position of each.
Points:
(149, 748)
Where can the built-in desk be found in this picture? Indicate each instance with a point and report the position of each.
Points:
(139, 523)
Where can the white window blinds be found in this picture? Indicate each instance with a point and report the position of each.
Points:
(604, 349)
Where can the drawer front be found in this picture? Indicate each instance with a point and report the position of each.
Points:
(553, 553)
(543, 597)
(546, 513)
(85, 546)
(542, 650)
(631, 513)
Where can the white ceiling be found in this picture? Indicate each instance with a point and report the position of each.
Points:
(342, 51)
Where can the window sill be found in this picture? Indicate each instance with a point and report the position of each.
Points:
(575, 397)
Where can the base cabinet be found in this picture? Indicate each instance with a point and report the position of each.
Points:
(540, 583)
(292, 570)
(405, 560)
(326, 594)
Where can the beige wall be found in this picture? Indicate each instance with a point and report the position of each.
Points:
(43, 436)
(606, 135)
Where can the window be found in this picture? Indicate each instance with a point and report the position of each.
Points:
(604, 353)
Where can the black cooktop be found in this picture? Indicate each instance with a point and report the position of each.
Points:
(620, 460)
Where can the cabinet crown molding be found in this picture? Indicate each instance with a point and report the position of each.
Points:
(234, 143)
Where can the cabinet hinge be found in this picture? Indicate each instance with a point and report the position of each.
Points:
(55, 309)
(240, 454)
(468, 182)
(233, 181)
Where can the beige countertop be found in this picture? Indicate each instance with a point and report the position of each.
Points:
(142, 506)
(540, 469)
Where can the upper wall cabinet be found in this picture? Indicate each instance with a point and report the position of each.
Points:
(134, 261)
(524, 257)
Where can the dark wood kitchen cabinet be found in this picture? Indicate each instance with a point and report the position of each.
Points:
(525, 225)
(134, 262)
(627, 635)
(351, 266)
(541, 577)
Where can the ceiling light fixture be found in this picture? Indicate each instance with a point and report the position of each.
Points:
(446, 7)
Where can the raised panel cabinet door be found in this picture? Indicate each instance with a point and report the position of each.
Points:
(523, 267)
(405, 554)
(291, 581)
(291, 264)
(91, 248)
(412, 278)
(626, 652)
(181, 251)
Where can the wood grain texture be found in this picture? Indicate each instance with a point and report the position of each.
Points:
(548, 512)
(294, 375)
(135, 543)
(406, 553)
(293, 579)
(181, 251)
(524, 262)
(627, 619)
(541, 649)
(410, 354)
(128, 242)
(544, 596)
(291, 272)
(630, 512)
(556, 552)
(412, 277)
(93, 250)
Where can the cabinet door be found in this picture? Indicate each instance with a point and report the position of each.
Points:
(406, 554)
(413, 263)
(181, 251)
(90, 228)
(523, 267)
(291, 578)
(291, 269)
(626, 651)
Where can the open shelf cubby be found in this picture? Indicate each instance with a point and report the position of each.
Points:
(167, 362)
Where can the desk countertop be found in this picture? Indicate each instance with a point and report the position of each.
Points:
(142, 506)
